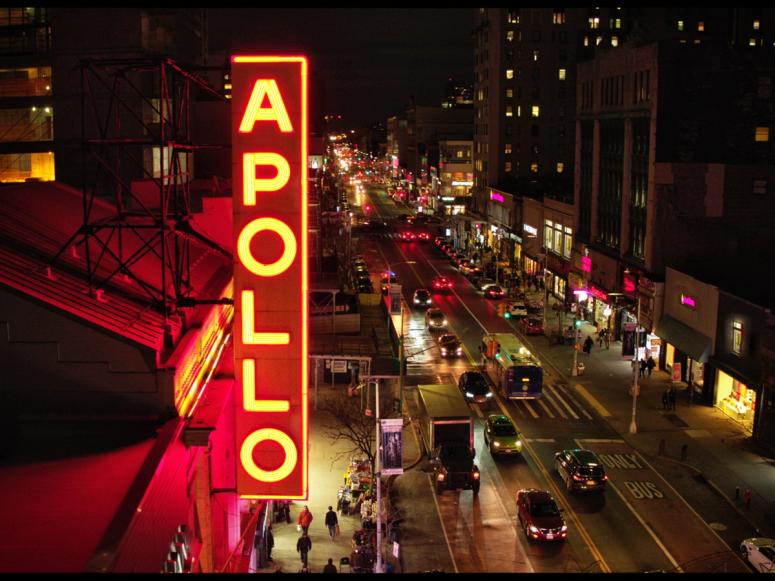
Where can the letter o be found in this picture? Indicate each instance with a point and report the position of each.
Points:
(246, 256)
(246, 455)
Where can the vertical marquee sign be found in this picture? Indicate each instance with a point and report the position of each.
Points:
(269, 168)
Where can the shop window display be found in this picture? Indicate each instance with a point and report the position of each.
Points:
(736, 400)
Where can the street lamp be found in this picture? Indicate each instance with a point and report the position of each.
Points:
(582, 296)
(635, 366)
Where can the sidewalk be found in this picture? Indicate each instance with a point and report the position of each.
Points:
(715, 449)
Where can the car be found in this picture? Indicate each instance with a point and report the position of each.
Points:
(439, 240)
(483, 283)
(473, 272)
(360, 268)
(386, 274)
(386, 282)
(474, 386)
(532, 326)
(539, 516)
(535, 307)
(493, 291)
(516, 311)
(365, 287)
(441, 284)
(422, 298)
(407, 236)
(435, 320)
(501, 436)
(450, 345)
(760, 553)
(580, 470)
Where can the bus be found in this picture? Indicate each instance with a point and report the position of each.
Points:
(512, 367)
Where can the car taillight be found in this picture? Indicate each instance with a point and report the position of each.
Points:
(476, 476)
(577, 477)
(440, 476)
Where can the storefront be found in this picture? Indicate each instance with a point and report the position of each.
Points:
(686, 355)
(736, 399)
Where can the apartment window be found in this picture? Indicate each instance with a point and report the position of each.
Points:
(509, 93)
(614, 41)
(509, 73)
(480, 95)
(737, 337)
(756, 25)
(507, 149)
(507, 167)
(534, 167)
(598, 40)
(594, 22)
(560, 167)
(459, 153)
(509, 111)
(510, 35)
(586, 41)
(567, 242)
(549, 234)
(751, 42)
(700, 26)
(536, 55)
(535, 111)
(618, 23)
(513, 17)
(760, 186)
(680, 24)
(558, 18)
(762, 134)
(519, 110)
(561, 74)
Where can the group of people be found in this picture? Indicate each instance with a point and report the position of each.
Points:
(668, 398)
(647, 365)
(304, 542)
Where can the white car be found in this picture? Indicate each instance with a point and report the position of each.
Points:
(760, 553)
(517, 310)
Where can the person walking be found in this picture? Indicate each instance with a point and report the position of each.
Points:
(666, 399)
(330, 568)
(588, 345)
(650, 364)
(671, 397)
(607, 339)
(305, 519)
(331, 522)
(642, 367)
(303, 547)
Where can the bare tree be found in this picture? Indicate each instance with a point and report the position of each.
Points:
(351, 425)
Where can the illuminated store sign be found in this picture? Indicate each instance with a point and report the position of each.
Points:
(269, 165)
(586, 264)
(496, 196)
(530, 229)
(456, 183)
(598, 294)
(628, 282)
(688, 301)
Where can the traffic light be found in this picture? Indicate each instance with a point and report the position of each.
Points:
(577, 323)
(367, 207)
(501, 309)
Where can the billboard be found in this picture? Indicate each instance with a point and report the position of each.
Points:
(269, 166)
(391, 446)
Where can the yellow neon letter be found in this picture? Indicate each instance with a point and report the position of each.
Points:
(249, 335)
(276, 112)
(246, 256)
(249, 401)
(251, 185)
(246, 455)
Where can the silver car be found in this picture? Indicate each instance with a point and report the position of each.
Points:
(435, 320)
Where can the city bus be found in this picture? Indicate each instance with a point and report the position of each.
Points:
(512, 367)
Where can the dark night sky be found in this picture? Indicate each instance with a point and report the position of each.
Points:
(371, 60)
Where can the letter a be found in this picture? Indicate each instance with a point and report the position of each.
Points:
(276, 111)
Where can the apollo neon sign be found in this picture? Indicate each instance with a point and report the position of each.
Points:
(269, 153)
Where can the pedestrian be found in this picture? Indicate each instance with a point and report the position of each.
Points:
(330, 568)
(642, 367)
(747, 497)
(366, 514)
(588, 345)
(269, 543)
(608, 340)
(650, 364)
(303, 547)
(600, 334)
(305, 519)
(671, 396)
(331, 522)
(665, 399)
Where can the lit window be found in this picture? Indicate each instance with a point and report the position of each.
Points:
(737, 337)
(509, 73)
(700, 26)
(680, 25)
(586, 41)
(534, 167)
(535, 111)
(560, 167)
(762, 134)
(507, 149)
(510, 35)
(751, 42)
(618, 23)
(536, 55)
(509, 93)
(756, 25)
(598, 40)
(508, 167)
(509, 111)
(760, 186)
(614, 41)
(561, 74)
(594, 22)
(558, 18)
(519, 110)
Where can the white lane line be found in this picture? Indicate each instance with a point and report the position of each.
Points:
(592, 401)
(530, 408)
(567, 393)
(541, 440)
(548, 397)
(546, 407)
(602, 440)
(478, 411)
(562, 401)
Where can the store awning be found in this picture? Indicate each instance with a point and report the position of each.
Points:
(694, 344)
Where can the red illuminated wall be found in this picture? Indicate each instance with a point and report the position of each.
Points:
(269, 152)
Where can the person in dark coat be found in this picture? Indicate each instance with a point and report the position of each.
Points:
(650, 364)
(588, 345)
(331, 522)
(666, 399)
(642, 367)
(303, 547)
(672, 398)
(330, 568)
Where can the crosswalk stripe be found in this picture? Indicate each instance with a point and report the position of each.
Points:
(541, 440)
(550, 398)
(530, 408)
(570, 396)
(562, 401)
(546, 408)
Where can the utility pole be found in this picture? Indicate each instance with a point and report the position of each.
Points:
(635, 368)
(378, 480)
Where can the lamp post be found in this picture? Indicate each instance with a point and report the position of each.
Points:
(378, 479)
(607, 314)
(635, 366)
(582, 296)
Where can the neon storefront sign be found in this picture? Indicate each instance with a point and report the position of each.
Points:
(269, 161)
(688, 301)
(496, 196)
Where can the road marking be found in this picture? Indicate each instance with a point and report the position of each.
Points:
(561, 400)
(541, 440)
(478, 411)
(566, 392)
(592, 401)
(530, 408)
(603, 440)
(546, 408)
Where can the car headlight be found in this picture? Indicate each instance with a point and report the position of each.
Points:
(440, 476)
(533, 529)
(444, 322)
(443, 351)
(496, 444)
(469, 394)
(428, 302)
(488, 394)
(459, 351)
(564, 528)
(519, 444)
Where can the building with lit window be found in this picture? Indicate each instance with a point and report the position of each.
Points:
(455, 175)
